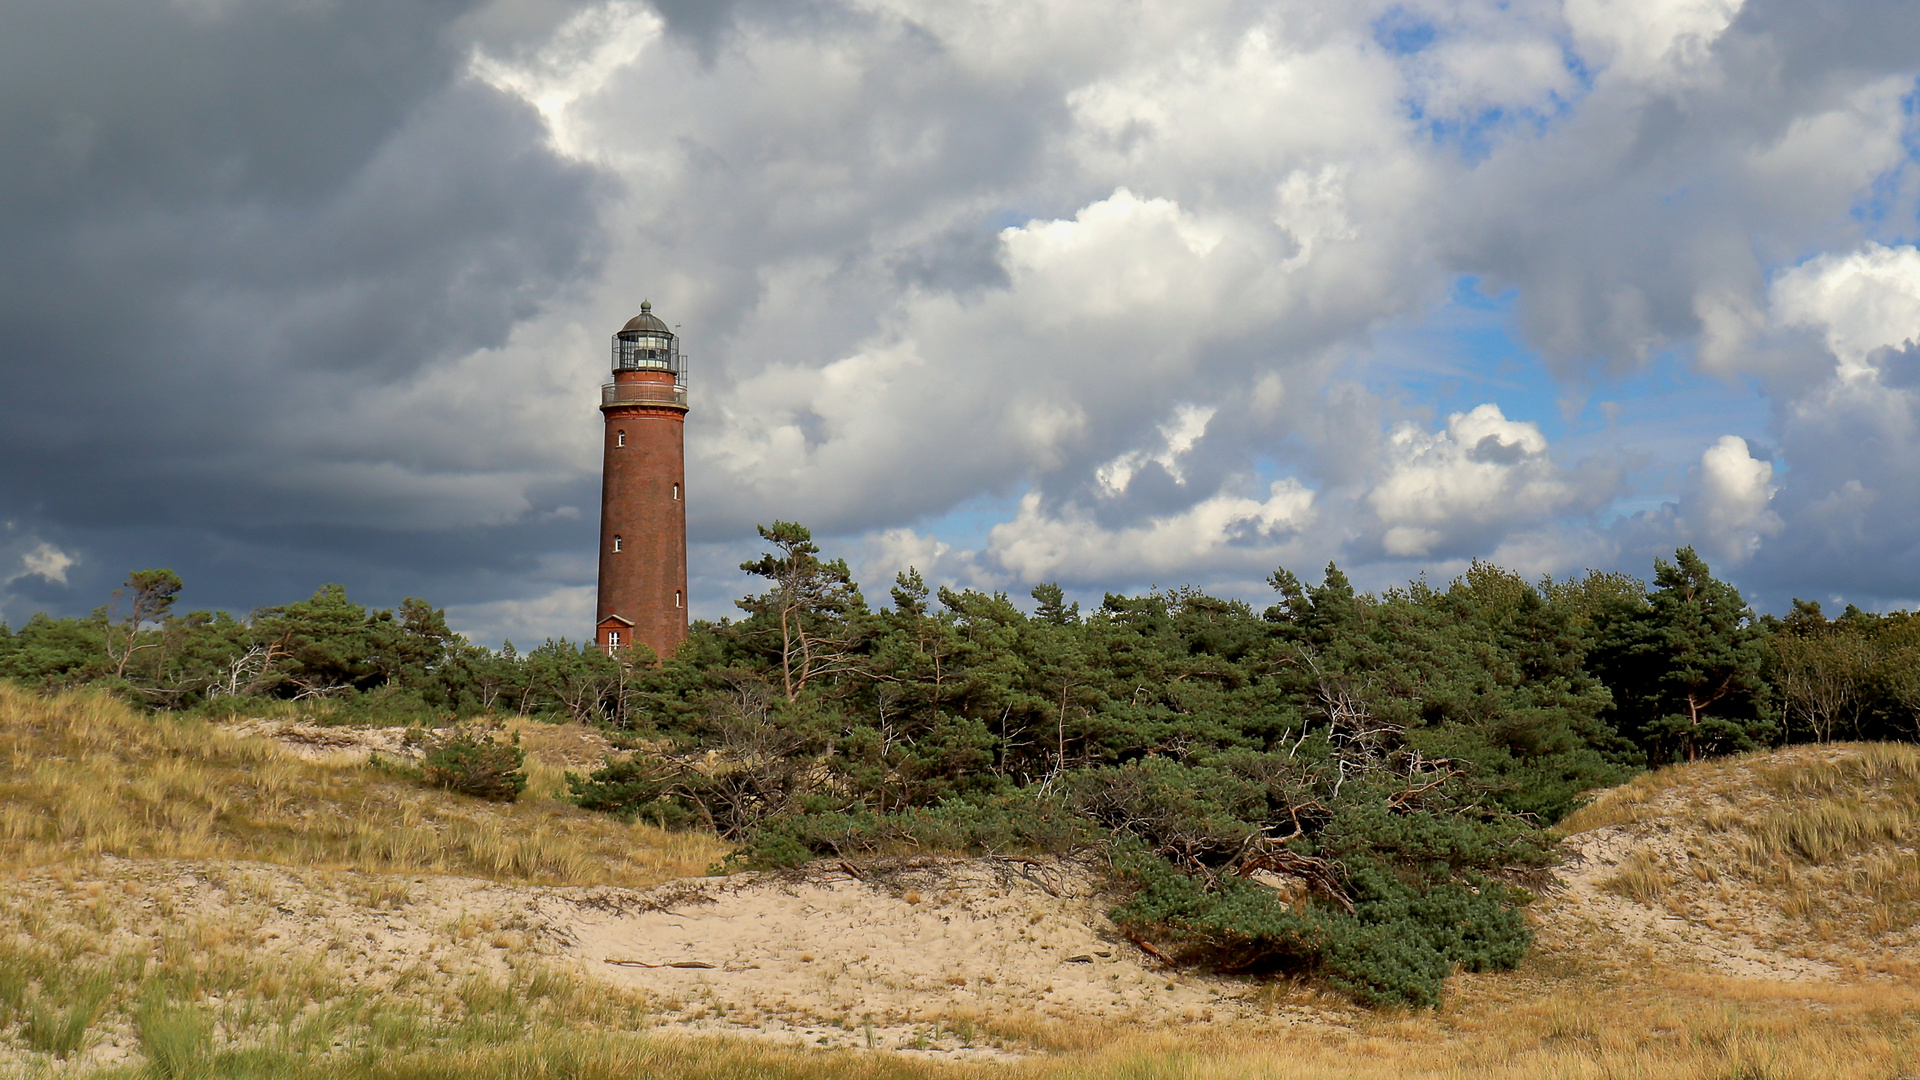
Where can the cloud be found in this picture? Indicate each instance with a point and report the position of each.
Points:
(1177, 436)
(47, 562)
(239, 235)
(23, 557)
(575, 63)
(31, 557)
(1727, 512)
(527, 623)
(1705, 153)
(1848, 508)
(1862, 301)
(311, 292)
(1650, 41)
(1447, 491)
(1068, 544)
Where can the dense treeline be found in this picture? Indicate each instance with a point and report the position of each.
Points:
(1345, 784)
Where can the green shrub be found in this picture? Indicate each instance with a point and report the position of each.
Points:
(386, 706)
(474, 763)
(1438, 844)
(1018, 822)
(1402, 940)
(641, 790)
(1396, 947)
(1192, 814)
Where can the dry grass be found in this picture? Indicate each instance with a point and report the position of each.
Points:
(1641, 878)
(83, 775)
(1638, 799)
(129, 984)
(1840, 839)
(1809, 852)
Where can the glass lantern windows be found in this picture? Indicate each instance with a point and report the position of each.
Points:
(644, 349)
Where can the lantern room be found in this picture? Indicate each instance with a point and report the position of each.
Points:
(646, 344)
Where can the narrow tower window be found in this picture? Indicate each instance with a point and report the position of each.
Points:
(616, 543)
(676, 493)
(620, 438)
(676, 598)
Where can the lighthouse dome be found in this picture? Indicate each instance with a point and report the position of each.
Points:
(646, 321)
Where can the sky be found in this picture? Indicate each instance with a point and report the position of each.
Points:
(1122, 295)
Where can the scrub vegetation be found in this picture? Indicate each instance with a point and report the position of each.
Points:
(108, 970)
(1348, 788)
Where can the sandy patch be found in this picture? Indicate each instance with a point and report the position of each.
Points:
(963, 959)
(1000, 945)
(1727, 932)
(338, 745)
(560, 746)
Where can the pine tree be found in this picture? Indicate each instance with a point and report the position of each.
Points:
(1686, 670)
(813, 606)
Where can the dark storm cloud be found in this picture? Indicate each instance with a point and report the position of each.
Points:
(1815, 41)
(221, 225)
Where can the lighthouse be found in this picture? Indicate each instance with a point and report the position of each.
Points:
(643, 516)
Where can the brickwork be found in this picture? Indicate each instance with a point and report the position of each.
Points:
(643, 522)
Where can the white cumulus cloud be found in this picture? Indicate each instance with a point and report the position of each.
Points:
(1464, 482)
(1727, 511)
(1862, 301)
(1234, 530)
(46, 562)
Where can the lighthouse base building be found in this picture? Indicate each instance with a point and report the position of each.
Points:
(643, 515)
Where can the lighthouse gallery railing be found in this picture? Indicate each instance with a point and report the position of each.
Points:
(631, 393)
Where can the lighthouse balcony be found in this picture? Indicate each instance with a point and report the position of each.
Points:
(631, 393)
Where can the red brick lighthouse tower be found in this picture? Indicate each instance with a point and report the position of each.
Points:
(643, 515)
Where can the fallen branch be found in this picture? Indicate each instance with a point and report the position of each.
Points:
(674, 964)
(1320, 876)
(1032, 871)
(1150, 949)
